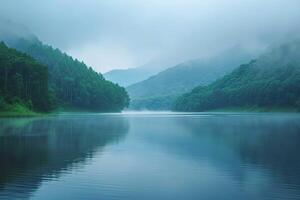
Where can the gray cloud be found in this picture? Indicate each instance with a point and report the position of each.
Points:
(127, 33)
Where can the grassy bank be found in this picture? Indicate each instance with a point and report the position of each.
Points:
(17, 110)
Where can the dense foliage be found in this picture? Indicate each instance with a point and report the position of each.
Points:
(160, 91)
(74, 84)
(272, 81)
(23, 81)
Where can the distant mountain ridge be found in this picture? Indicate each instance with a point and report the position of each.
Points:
(126, 77)
(160, 91)
(130, 76)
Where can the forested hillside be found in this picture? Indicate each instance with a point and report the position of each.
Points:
(73, 83)
(23, 82)
(160, 91)
(271, 81)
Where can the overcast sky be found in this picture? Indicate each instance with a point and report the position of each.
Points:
(108, 34)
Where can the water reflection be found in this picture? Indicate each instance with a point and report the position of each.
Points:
(37, 149)
(248, 145)
(161, 156)
(249, 156)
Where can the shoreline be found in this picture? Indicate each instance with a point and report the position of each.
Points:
(29, 114)
(16, 114)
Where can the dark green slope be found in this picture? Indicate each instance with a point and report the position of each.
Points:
(271, 81)
(23, 82)
(160, 91)
(74, 84)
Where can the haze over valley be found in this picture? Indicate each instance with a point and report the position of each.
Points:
(159, 56)
(149, 99)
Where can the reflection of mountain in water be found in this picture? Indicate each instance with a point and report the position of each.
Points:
(264, 141)
(32, 150)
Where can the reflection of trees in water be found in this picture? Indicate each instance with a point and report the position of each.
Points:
(34, 149)
(270, 142)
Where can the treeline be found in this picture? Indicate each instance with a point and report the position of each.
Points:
(73, 84)
(23, 81)
(272, 81)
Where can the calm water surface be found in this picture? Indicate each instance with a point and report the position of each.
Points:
(159, 156)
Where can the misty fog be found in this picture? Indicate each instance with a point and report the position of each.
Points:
(122, 34)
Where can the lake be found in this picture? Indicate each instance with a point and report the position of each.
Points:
(137, 156)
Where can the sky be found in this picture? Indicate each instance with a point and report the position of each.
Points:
(115, 34)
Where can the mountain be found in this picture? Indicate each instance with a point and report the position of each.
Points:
(126, 77)
(160, 91)
(23, 82)
(272, 81)
(73, 84)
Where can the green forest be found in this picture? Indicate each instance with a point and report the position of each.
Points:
(74, 84)
(58, 82)
(23, 82)
(272, 81)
